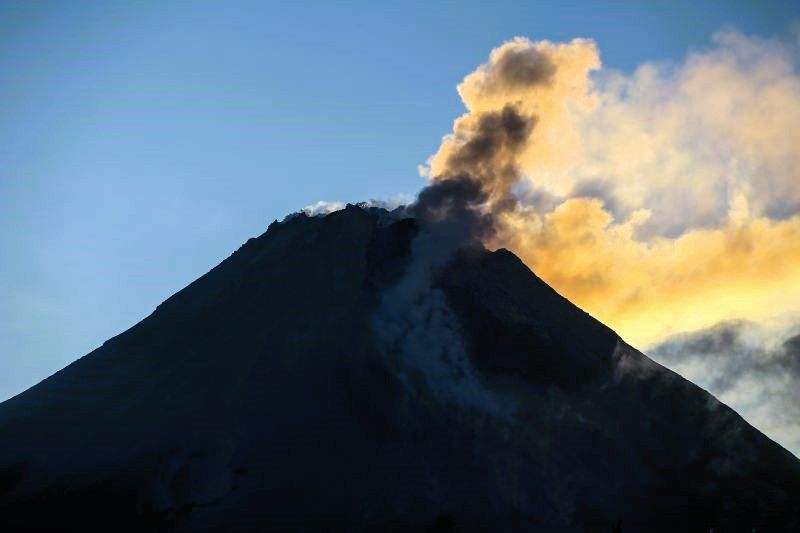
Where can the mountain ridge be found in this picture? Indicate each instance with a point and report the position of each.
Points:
(264, 395)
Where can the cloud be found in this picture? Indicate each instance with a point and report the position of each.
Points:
(690, 142)
(322, 208)
(662, 201)
(648, 289)
(755, 370)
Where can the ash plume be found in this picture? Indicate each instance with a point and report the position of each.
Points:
(659, 201)
(476, 184)
(473, 185)
(414, 322)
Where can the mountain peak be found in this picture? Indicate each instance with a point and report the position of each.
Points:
(323, 377)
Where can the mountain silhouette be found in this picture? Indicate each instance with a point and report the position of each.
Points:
(286, 390)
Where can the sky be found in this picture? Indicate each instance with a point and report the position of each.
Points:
(141, 143)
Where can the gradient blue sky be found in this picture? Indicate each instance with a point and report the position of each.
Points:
(143, 142)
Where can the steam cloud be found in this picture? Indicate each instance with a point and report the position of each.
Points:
(755, 370)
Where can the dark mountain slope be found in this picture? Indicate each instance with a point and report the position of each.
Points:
(263, 397)
(628, 434)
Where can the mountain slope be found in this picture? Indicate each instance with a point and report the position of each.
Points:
(265, 395)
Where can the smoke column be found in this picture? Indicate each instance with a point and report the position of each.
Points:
(476, 171)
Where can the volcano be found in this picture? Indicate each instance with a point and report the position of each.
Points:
(276, 393)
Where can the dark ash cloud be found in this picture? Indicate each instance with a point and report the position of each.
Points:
(480, 174)
(525, 67)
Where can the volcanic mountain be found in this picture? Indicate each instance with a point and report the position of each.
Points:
(309, 383)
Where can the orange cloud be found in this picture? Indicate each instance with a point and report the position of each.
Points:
(648, 290)
(663, 201)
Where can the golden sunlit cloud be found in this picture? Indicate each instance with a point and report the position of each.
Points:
(663, 201)
(647, 290)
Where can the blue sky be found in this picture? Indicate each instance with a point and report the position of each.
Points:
(143, 142)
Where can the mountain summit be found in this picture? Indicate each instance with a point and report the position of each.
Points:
(323, 378)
